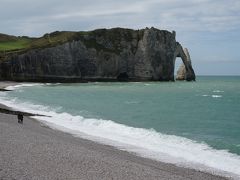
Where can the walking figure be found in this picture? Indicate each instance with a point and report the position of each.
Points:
(20, 118)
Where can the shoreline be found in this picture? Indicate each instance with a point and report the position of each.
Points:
(75, 152)
(5, 84)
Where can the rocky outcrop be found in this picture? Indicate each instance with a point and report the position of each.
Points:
(102, 55)
(181, 73)
(185, 71)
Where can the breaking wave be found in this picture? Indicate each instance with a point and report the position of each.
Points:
(144, 142)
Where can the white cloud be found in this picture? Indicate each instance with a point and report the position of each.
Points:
(100, 12)
(188, 15)
(210, 28)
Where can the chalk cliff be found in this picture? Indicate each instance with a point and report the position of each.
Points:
(101, 55)
(182, 72)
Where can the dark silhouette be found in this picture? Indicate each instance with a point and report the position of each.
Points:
(123, 77)
(20, 118)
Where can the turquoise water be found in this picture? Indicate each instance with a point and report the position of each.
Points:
(206, 111)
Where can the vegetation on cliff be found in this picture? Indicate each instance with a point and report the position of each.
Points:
(102, 54)
(20, 44)
(10, 45)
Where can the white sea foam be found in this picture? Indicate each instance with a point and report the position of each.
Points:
(144, 142)
(22, 85)
(132, 102)
(218, 91)
(216, 96)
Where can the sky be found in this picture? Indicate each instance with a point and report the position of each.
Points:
(210, 29)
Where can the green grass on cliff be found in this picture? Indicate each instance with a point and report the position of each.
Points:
(11, 44)
(52, 39)
(18, 43)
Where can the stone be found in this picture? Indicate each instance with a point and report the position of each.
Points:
(102, 55)
(182, 72)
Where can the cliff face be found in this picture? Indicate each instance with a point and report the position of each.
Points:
(114, 54)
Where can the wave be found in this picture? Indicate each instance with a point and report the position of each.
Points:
(144, 142)
(132, 102)
(218, 91)
(14, 87)
(213, 95)
(216, 96)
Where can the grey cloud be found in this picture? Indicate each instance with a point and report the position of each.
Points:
(188, 15)
(208, 27)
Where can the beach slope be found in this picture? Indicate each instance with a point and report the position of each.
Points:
(33, 151)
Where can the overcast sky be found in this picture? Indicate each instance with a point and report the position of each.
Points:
(210, 29)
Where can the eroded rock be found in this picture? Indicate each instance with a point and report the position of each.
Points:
(104, 54)
(182, 73)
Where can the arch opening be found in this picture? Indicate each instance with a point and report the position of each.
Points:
(185, 72)
(178, 66)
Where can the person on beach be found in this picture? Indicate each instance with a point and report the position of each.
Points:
(20, 118)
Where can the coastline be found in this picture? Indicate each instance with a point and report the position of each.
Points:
(45, 153)
(4, 84)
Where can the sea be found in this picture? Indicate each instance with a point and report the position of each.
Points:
(190, 124)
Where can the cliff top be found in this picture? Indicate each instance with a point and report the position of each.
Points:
(12, 44)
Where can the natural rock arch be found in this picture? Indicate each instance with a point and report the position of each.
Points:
(100, 55)
(185, 71)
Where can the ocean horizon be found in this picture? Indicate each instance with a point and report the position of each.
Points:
(191, 124)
